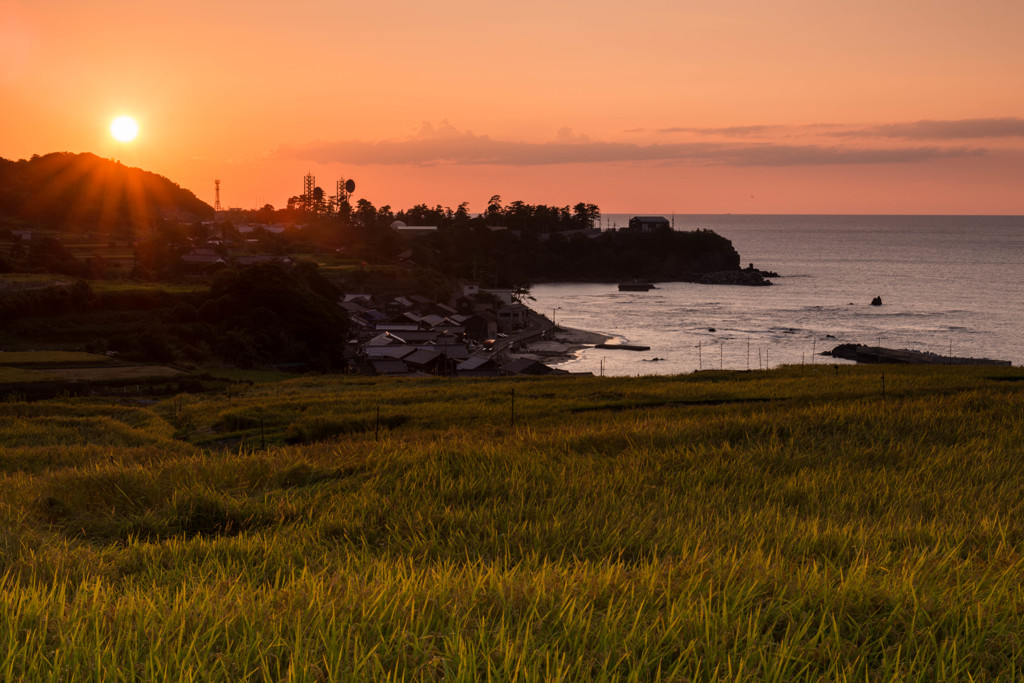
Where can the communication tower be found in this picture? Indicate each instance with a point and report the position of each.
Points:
(216, 196)
(308, 187)
(343, 190)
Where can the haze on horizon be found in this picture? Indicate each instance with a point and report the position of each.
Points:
(796, 106)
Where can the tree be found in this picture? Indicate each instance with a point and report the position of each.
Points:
(521, 292)
(586, 215)
(493, 213)
(366, 215)
(285, 316)
(266, 214)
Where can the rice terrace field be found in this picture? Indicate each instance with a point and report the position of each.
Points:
(807, 523)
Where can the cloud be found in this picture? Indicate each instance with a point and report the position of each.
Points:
(962, 129)
(730, 131)
(814, 155)
(445, 145)
(956, 129)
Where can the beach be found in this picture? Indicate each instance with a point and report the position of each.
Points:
(563, 346)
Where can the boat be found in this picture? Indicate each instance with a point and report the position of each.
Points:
(635, 286)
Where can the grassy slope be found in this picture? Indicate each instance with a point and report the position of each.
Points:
(784, 525)
(50, 358)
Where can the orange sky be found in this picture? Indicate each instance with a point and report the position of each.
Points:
(691, 106)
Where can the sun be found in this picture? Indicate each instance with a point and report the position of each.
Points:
(124, 128)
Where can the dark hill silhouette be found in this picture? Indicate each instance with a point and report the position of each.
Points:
(65, 191)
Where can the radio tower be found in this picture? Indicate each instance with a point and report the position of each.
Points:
(309, 185)
(216, 196)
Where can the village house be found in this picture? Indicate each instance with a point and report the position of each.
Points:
(527, 366)
(512, 317)
(255, 259)
(648, 223)
(479, 366)
(390, 368)
(202, 260)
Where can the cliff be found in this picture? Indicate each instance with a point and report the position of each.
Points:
(660, 256)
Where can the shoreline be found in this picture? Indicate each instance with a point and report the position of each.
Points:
(563, 346)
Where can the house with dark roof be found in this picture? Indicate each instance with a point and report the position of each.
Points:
(528, 366)
(434, 308)
(202, 260)
(430, 362)
(395, 352)
(255, 259)
(512, 317)
(478, 366)
(351, 308)
(389, 367)
(649, 223)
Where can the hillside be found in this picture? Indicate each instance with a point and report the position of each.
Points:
(796, 524)
(84, 192)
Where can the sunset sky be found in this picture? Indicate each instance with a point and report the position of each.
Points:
(686, 106)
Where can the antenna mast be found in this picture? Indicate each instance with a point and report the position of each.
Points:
(216, 200)
(309, 184)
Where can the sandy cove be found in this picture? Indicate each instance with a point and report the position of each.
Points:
(562, 346)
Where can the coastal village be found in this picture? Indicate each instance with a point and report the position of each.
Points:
(481, 336)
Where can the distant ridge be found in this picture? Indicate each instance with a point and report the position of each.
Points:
(65, 191)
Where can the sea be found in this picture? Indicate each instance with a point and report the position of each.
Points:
(949, 285)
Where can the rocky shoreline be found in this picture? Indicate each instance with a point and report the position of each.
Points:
(861, 353)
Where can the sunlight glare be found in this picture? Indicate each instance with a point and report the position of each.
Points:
(124, 128)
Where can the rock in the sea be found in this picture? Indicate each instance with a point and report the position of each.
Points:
(879, 354)
(749, 278)
(877, 301)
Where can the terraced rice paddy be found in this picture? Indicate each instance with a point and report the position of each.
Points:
(785, 525)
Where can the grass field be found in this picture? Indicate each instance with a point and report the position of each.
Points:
(19, 281)
(811, 523)
(104, 286)
(10, 375)
(71, 358)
